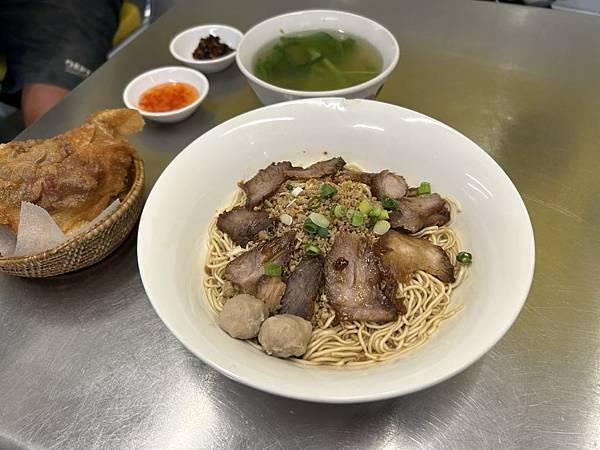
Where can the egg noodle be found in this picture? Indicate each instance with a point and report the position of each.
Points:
(358, 342)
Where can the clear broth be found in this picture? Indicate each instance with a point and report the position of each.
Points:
(317, 61)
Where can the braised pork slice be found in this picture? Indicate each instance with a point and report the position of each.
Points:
(356, 175)
(353, 281)
(402, 255)
(416, 213)
(388, 184)
(265, 183)
(270, 290)
(246, 270)
(242, 224)
(303, 287)
(317, 170)
(383, 184)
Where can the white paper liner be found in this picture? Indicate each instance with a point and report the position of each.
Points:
(39, 232)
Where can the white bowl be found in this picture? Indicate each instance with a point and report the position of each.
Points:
(183, 45)
(137, 86)
(494, 226)
(320, 19)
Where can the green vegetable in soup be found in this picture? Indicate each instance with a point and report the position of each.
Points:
(317, 61)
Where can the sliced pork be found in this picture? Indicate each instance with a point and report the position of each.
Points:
(416, 213)
(243, 225)
(356, 175)
(247, 269)
(317, 170)
(265, 183)
(303, 287)
(386, 184)
(383, 184)
(270, 290)
(354, 281)
(402, 255)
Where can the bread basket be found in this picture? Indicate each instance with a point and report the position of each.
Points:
(89, 247)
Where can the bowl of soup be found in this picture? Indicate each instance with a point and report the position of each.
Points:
(317, 53)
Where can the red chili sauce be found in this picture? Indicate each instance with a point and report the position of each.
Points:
(168, 97)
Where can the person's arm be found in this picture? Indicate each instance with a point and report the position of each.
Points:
(38, 98)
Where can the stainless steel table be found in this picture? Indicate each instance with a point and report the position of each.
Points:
(85, 362)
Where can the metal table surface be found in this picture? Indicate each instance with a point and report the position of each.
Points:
(86, 363)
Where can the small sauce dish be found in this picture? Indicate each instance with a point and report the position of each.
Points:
(183, 45)
(153, 78)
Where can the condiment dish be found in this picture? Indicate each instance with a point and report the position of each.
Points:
(147, 80)
(182, 46)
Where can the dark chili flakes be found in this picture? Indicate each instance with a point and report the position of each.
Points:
(211, 47)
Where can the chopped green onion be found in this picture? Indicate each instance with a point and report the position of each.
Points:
(376, 212)
(328, 190)
(424, 188)
(312, 249)
(323, 232)
(273, 269)
(339, 211)
(319, 219)
(381, 227)
(310, 227)
(289, 187)
(464, 258)
(314, 203)
(384, 214)
(286, 219)
(390, 203)
(268, 204)
(365, 206)
(296, 191)
(271, 230)
(357, 219)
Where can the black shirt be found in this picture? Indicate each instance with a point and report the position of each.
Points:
(57, 42)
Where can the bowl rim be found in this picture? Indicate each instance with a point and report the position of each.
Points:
(331, 93)
(359, 397)
(191, 106)
(204, 62)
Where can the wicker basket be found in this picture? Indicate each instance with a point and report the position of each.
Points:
(90, 247)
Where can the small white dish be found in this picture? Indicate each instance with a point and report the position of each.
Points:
(319, 19)
(137, 86)
(183, 45)
(493, 225)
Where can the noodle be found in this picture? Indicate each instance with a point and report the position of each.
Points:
(355, 343)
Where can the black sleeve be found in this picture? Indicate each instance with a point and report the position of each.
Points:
(58, 42)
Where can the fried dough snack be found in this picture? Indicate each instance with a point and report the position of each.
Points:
(74, 175)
